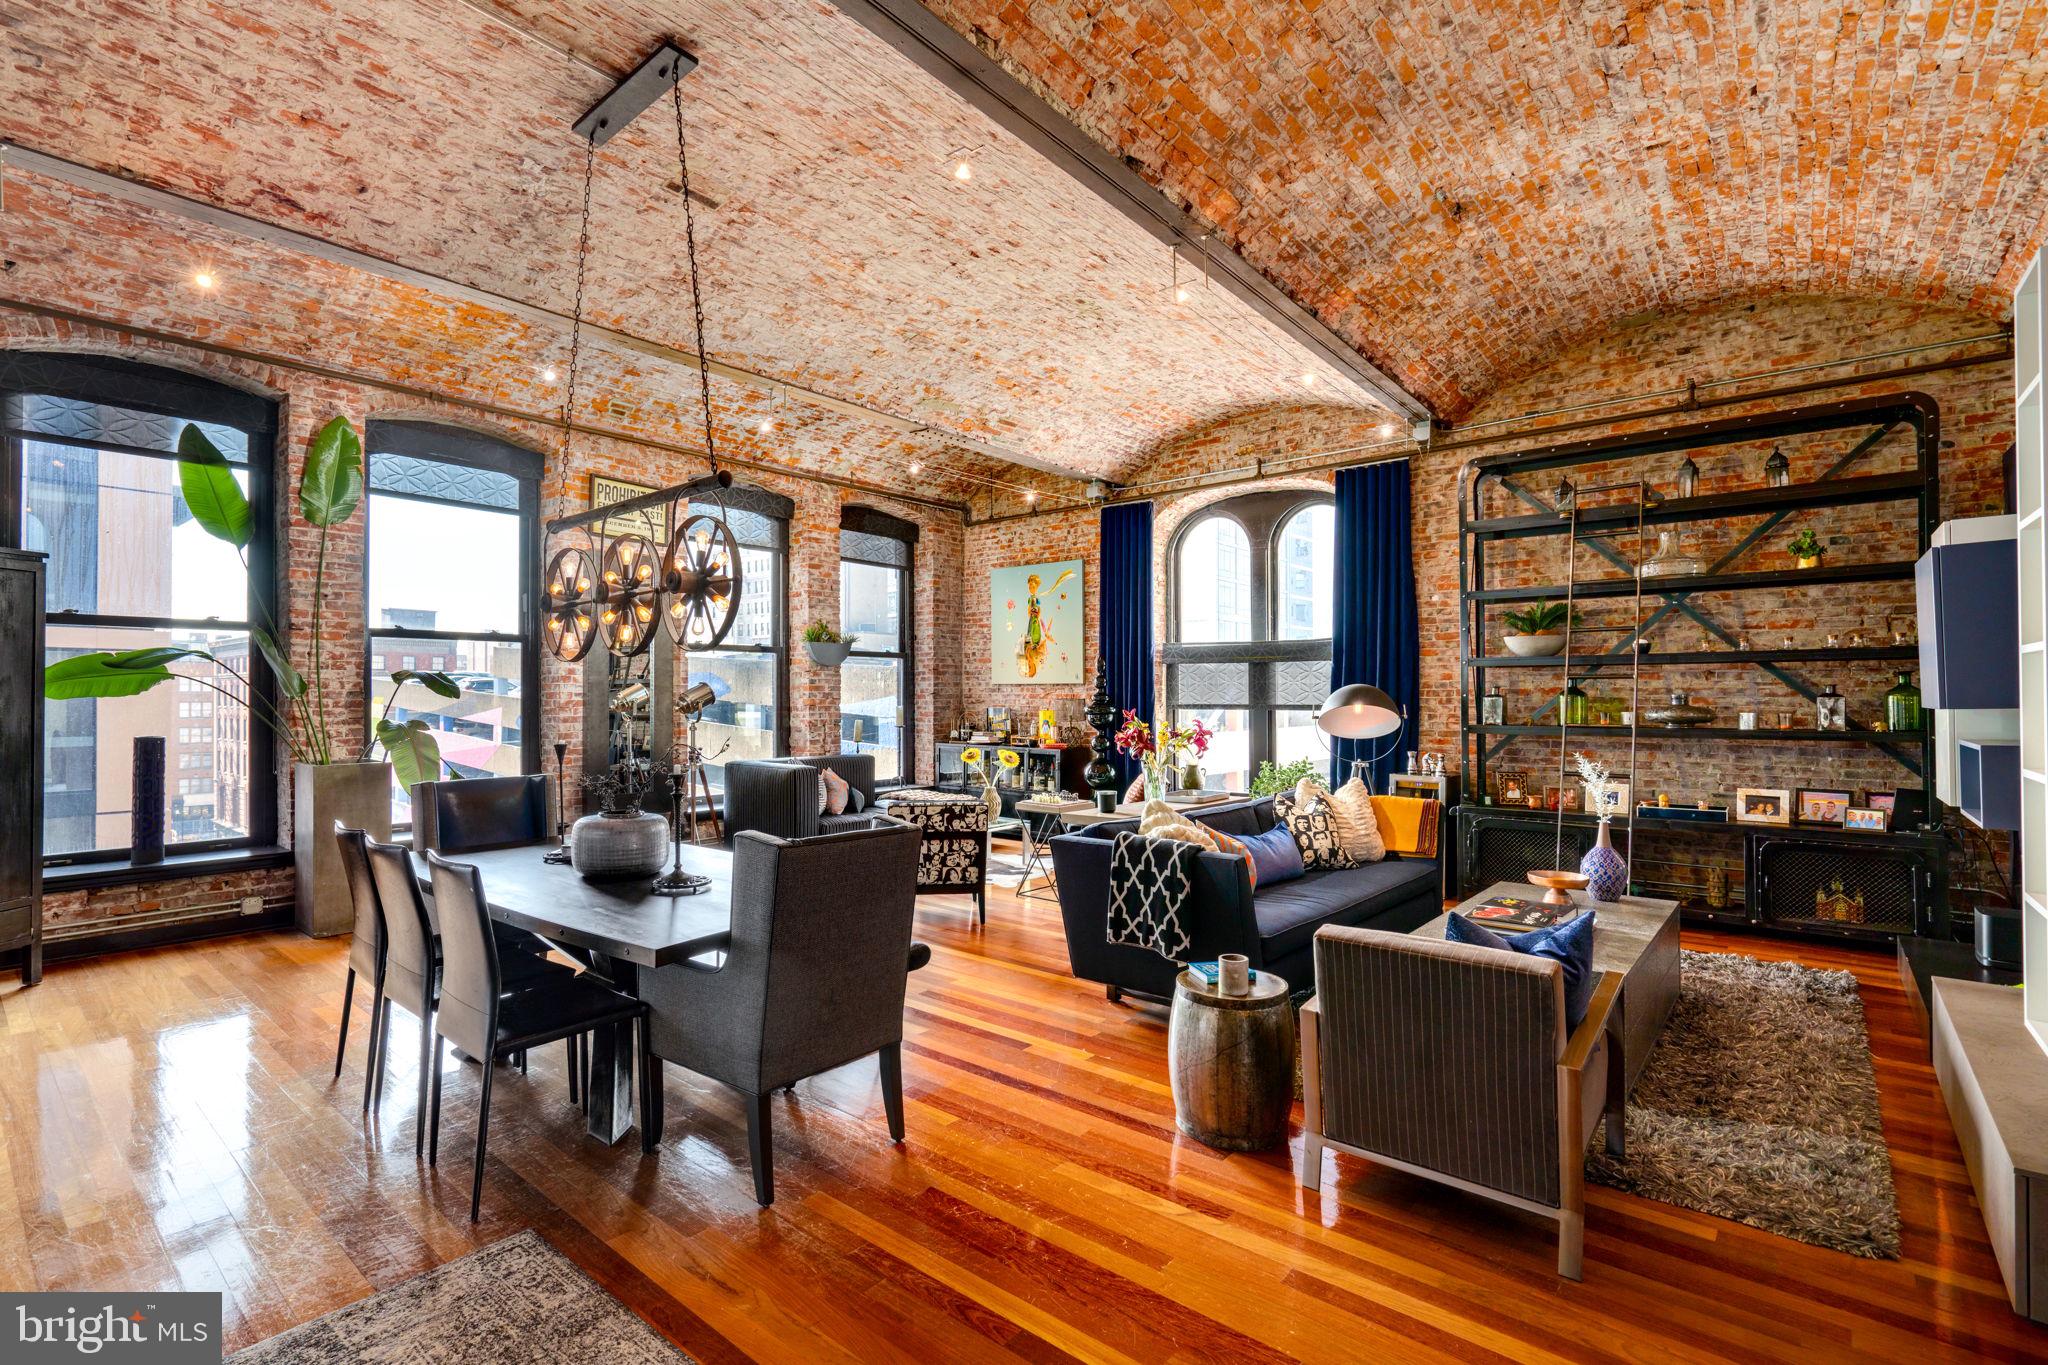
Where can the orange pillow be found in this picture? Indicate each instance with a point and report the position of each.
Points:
(1408, 824)
(1227, 844)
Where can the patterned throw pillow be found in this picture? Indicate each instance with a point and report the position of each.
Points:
(1314, 830)
(836, 789)
(1358, 828)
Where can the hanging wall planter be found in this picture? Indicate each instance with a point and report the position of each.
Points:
(826, 646)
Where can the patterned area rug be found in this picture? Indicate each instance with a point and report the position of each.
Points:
(514, 1301)
(1760, 1104)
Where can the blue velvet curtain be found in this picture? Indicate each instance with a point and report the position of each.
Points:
(1376, 639)
(1125, 618)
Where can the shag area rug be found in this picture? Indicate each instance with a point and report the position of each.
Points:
(515, 1301)
(1760, 1104)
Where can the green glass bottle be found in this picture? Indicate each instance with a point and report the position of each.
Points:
(1902, 705)
(1573, 704)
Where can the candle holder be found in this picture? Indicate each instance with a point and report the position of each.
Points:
(675, 881)
(559, 854)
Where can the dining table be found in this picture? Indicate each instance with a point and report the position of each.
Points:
(618, 929)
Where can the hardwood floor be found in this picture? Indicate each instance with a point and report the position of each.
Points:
(170, 1121)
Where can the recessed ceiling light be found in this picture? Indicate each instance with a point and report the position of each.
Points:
(1180, 294)
(203, 280)
(963, 171)
(916, 467)
(767, 425)
(548, 374)
(1386, 430)
(1308, 378)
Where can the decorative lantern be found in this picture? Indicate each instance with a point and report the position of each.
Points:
(1688, 478)
(1777, 469)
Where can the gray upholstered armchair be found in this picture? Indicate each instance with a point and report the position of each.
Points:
(1452, 1062)
(779, 796)
(814, 978)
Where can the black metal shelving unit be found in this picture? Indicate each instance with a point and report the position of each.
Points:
(1907, 868)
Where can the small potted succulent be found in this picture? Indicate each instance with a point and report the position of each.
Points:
(1806, 549)
(1537, 632)
(825, 645)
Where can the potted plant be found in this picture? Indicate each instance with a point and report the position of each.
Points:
(1275, 778)
(1806, 549)
(1537, 632)
(327, 784)
(825, 645)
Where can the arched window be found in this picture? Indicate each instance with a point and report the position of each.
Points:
(1248, 650)
(90, 467)
(1215, 573)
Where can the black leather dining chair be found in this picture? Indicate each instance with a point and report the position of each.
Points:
(365, 947)
(814, 978)
(477, 813)
(481, 1016)
(413, 968)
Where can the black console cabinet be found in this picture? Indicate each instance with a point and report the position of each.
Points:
(21, 762)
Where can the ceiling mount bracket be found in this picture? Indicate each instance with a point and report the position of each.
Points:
(651, 80)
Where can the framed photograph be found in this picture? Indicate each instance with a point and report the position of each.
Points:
(1617, 799)
(1513, 787)
(1572, 798)
(1763, 806)
(999, 721)
(1887, 802)
(1821, 806)
(1037, 622)
(1867, 818)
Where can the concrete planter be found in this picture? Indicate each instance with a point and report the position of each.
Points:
(828, 653)
(358, 795)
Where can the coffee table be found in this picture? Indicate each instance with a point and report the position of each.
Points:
(1636, 936)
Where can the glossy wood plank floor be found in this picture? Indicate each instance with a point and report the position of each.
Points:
(169, 1120)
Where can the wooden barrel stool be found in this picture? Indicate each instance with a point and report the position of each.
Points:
(1232, 1063)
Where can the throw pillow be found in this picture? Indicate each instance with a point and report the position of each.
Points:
(836, 790)
(1570, 943)
(1136, 791)
(1314, 831)
(1276, 857)
(1358, 829)
(855, 802)
(1161, 821)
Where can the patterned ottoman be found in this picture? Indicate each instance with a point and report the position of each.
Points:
(952, 856)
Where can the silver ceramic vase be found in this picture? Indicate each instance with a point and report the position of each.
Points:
(615, 847)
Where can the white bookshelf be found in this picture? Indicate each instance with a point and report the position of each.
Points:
(2031, 479)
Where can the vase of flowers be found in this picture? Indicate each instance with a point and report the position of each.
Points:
(1158, 749)
(1605, 870)
(1009, 760)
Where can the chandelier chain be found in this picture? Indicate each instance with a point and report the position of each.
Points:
(696, 293)
(576, 331)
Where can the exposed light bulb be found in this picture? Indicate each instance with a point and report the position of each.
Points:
(204, 279)
(1386, 430)
(916, 468)
(548, 375)
(962, 171)
(1180, 294)
(1031, 495)
(767, 425)
(1308, 378)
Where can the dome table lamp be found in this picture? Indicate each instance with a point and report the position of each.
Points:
(1361, 711)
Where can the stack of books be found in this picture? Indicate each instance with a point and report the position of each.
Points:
(1514, 915)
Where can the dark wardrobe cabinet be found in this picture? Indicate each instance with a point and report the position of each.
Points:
(21, 763)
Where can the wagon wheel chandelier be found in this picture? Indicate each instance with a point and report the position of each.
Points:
(693, 583)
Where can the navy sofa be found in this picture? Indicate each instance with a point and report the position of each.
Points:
(1276, 928)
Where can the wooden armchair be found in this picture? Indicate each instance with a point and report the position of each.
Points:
(1451, 1062)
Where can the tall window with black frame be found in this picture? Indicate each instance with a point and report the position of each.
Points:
(875, 699)
(451, 531)
(91, 479)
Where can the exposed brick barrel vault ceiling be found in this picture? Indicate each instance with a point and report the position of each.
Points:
(1459, 190)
